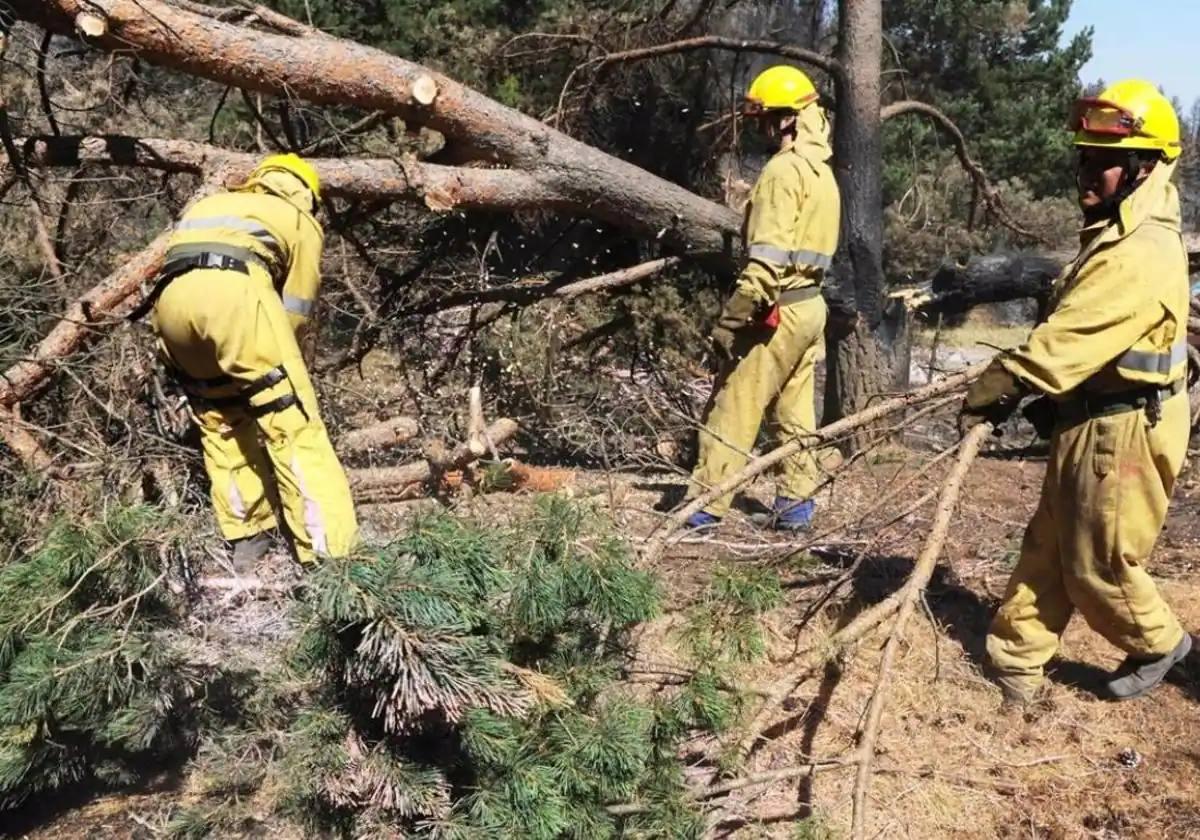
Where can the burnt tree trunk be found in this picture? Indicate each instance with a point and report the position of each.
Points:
(995, 278)
(861, 361)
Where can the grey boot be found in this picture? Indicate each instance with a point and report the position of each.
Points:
(248, 551)
(1137, 677)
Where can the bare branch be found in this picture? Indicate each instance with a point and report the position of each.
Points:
(84, 315)
(913, 587)
(708, 42)
(527, 294)
(990, 195)
(655, 544)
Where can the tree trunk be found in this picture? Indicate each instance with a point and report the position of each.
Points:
(332, 71)
(861, 362)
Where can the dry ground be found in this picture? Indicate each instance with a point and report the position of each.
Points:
(954, 765)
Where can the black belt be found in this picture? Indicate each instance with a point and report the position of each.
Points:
(174, 267)
(1091, 406)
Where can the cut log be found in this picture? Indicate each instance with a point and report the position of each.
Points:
(389, 433)
(405, 481)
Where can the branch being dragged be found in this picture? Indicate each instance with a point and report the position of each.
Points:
(526, 294)
(869, 619)
(913, 587)
(657, 541)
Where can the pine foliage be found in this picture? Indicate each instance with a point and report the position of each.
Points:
(459, 682)
(93, 685)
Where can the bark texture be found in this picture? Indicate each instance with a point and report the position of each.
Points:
(327, 70)
(864, 363)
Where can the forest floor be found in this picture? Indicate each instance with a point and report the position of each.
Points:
(950, 763)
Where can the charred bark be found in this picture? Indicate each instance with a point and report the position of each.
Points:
(995, 278)
(862, 361)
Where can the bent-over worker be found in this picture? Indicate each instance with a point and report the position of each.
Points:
(240, 277)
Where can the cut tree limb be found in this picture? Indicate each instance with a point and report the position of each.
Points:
(383, 435)
(912, 589)
(81, 318)
(332, 71)
(531, 293)
(440, 188)
(403, 482)
(657, 541)
(25, 446)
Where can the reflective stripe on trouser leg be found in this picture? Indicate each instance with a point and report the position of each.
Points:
(1119, 498)
(795, 410)
(313, 488)
(1025, 631)
(239, 474)
(737, 410)
(314, 521)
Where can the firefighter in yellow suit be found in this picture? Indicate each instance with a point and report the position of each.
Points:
(1112, 356)
(771, 328)
(240, 277)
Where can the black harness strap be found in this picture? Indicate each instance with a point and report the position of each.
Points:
(177, 266)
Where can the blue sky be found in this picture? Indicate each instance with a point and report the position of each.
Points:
(1153, 39)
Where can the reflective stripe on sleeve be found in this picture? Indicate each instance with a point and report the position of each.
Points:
(1147, 361)
(781, 256)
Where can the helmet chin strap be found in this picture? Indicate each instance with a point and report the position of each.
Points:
(1110, 207)
(788, 128)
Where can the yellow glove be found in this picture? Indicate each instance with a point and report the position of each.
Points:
(739, 312)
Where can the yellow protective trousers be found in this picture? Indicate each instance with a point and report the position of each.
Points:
(215, 323)
(1103, 504)
(771, 366)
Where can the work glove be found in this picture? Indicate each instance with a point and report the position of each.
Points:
(1042, 414)
(739, 312)
(992, 398)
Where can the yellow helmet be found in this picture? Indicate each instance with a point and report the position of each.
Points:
(781, 87)
(292, 164)
(1131, 114)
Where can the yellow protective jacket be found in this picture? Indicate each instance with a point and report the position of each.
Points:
(794, 215)
(1120, 310)
(268, 219)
